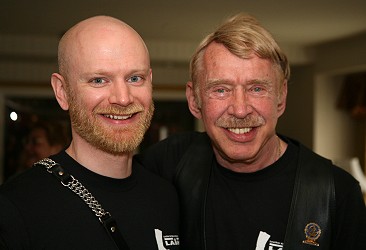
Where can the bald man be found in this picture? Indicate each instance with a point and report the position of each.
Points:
(93, 195)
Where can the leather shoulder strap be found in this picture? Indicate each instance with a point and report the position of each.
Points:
(67, 180)
(191, 180)
(313, 204)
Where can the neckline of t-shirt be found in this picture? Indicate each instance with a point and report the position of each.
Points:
(283, 163)
(90, 178)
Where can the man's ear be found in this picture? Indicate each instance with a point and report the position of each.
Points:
(150, 75)
(58, 85)
(282, 98)
(192, 101)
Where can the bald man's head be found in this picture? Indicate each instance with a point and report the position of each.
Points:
(105, 82)
(91, 30)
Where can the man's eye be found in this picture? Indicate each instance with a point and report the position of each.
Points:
(135, 79)
(257, 89)
(98, 80)
(218, 90)
(219, 93)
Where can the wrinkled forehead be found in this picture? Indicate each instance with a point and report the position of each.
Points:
(217, 59)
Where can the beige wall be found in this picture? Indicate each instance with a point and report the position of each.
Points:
(336, 134)
(311, 115)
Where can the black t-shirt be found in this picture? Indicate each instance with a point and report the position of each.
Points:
(250, 211)
(38, 212)
(250, 206)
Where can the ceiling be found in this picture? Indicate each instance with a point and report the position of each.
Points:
(292, 22)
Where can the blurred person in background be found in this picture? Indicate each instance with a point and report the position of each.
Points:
(44, 139)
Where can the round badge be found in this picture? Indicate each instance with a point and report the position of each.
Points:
(312, 233)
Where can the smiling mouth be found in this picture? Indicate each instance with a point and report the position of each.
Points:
(239, 131)
(118, 117)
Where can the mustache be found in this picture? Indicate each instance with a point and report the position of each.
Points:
(234, 122)
(120, 110)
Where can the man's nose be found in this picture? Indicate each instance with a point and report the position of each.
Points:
(240, 105)
(121, 94)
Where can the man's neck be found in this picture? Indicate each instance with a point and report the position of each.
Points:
(257, 163)
(100, 162)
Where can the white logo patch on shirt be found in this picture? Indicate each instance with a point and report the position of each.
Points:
(262, 240)
(165, 241)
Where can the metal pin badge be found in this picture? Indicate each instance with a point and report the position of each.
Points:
(312, 233)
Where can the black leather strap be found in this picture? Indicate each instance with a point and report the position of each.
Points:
(313, 202)
(60, 174)
(111, 227)
(192, 180)
(109, 223)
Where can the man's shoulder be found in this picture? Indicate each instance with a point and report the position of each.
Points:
(172, 147)
(338, 172)
(180, 142)
(153, 184)
(24, 182)
(163, 157)
(345, 183)
(185, 138)
(23, 192)
(147, 177)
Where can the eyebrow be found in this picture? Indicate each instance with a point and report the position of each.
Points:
(261, 81)
(98, 72)
(214, 82)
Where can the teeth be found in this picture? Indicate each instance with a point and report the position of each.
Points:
(239, 130)
(118, 117)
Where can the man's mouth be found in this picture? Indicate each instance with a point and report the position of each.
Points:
(239, 131)
(118, 117)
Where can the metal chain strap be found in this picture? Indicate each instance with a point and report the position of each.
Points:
(78, 188)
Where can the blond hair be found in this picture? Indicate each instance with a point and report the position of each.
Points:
(242, 35)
